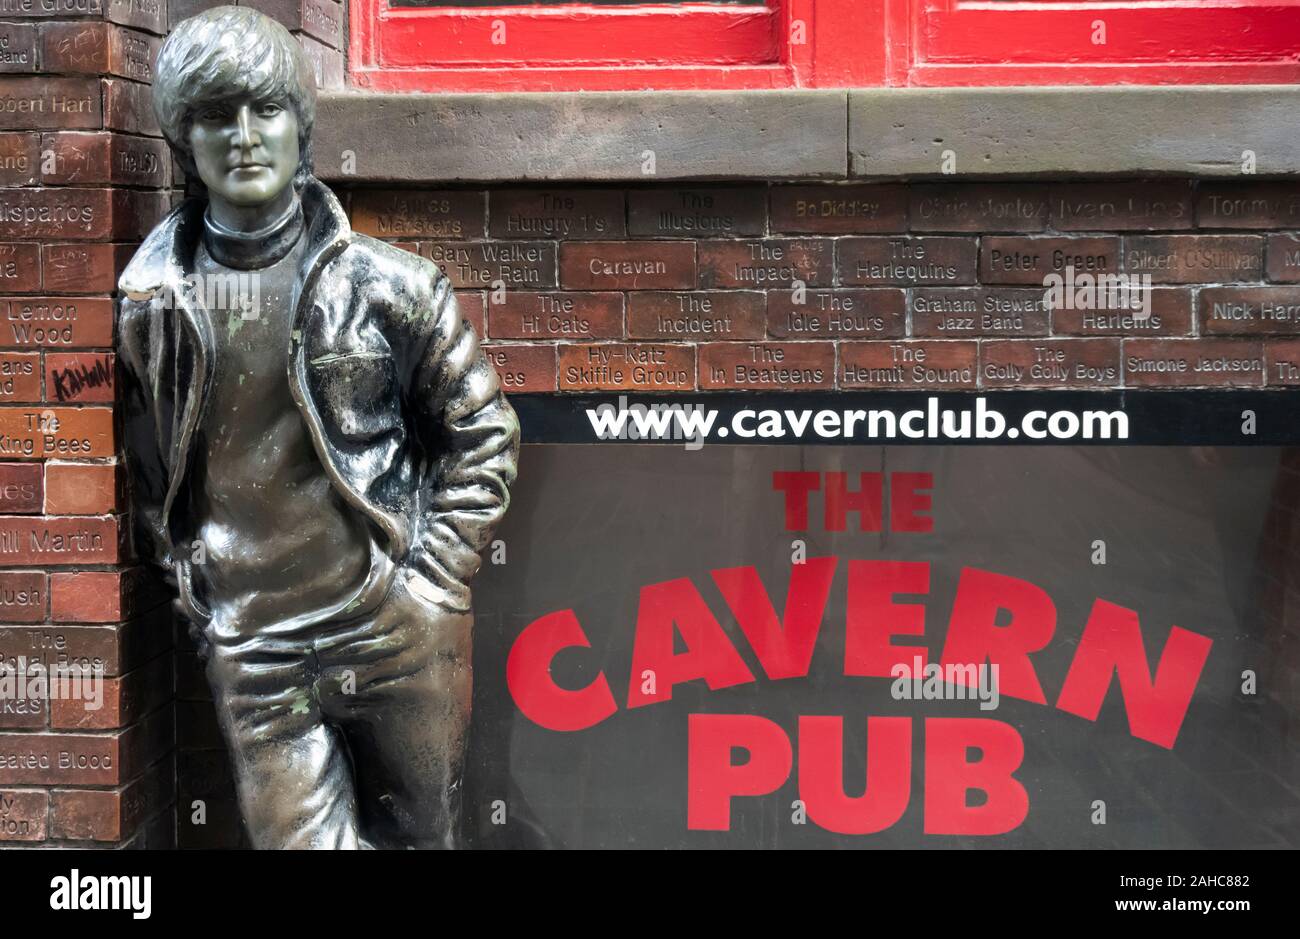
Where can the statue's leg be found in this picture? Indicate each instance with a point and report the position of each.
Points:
(405, 716)
(291, 769)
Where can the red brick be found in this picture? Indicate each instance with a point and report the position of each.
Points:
(112, 814)
(113, 649)
(19, 42)
(20, 158)
(35, 102)
(934, 365)
(767, 263)
(963, 312)
(120, 701)
(404, 213)
(523, 368)
(99, 49)
(1170, 315)
(20, 268)
(1012, 260)
(768, 366)
(81, 158)
(557, 213)
(56, 322)
(1248, 205)
(1282, 361)
(81, 488)
(1148, 205)
(555, 315)
(104, 596)
(84, 268)
(20, 377)
(701, 314)
(79, 376)
(626, 366)
(56, 213)
(515, 264)
(1151, 363)
(26, 541)
(20, 489)
(44, 433)
(78, 759)
(978, 207)
(724, 212)
(1190, 259)
(23, 814)
(1249, 311)
(127, 107)
(322, 19)
(1049, 363)
(838, 209)
(905, 262)
(1283, 258)
(845, 314)
(627, 265)
(22, 600)
(472, 305)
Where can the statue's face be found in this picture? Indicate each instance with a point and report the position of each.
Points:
(246, 150)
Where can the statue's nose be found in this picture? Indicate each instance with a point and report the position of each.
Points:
(244, 119)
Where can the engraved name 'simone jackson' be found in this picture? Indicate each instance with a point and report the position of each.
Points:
(997, 621)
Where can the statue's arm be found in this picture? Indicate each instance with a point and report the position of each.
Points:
(472, 436)
(147, 472)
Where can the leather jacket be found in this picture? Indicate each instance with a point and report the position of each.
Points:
(402, 408)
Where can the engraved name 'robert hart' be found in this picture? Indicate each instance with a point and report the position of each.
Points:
(103, 892)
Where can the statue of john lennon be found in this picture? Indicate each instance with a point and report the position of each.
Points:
(315, 468)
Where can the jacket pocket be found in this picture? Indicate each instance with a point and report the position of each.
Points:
(357, 393)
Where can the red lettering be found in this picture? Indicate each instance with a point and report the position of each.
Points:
(907, 500)
(872, 616)
(821, 774)
(784, 647)
(839, 502)
(528, 676)
(949, 776)
(712, 779)
(796, 487)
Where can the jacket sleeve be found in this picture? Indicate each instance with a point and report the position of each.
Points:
(471, 437)
(147, 471)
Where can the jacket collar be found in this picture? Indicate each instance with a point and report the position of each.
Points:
(168, 252)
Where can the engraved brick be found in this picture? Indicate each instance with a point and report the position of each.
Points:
(523, 368)
(928, 365)
(772, 366)
(1148, 205)
(1049, 363)
(56, 322)
(27, 541)
(1170, 315)
(20, 268)
(23, 814)
(626, 366)
(86, 158)
(19, 158)
(856, 208)
(557, 213)
(627, 265)
(127, 108)
(22, 599)
(322, 19)
(80, 759)
(480, 264)
(1190, 259)
(112, 814)
(1246, 311)
(103, 596)
(99, 49)
(79, 376)
(119, 701)
(47, 432)
(472, 305)
(1283, 258)
(406, 213)
(978, 207)
(108, 649)
(56, 213)
(1192, 363)
(20, 377)
(716, 314)
(1282, 361)
(554, 315)
(26, 706)
(32, 103)
(696, 213)
(1011, 260)
(959, 312)
(768, 263)
(1248, 205)
(21, 489)
(905, 262)
(326, 63)
(81, 488)
(84, 268)
(18, 43)
(144, 14)
(844, 314)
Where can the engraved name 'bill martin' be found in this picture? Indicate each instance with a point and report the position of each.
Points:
(316, 468)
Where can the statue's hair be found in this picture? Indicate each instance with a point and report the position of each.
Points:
(225, 53)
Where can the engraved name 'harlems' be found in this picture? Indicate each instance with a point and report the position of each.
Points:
(995, 618)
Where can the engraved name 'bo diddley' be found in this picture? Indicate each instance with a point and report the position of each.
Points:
(317, 478)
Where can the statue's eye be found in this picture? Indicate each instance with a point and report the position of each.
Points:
(269, 109)
(212, 114)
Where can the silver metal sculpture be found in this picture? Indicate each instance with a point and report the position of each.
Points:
(318, 450)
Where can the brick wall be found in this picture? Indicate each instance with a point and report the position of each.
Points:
(929, 286)
(83, 176)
